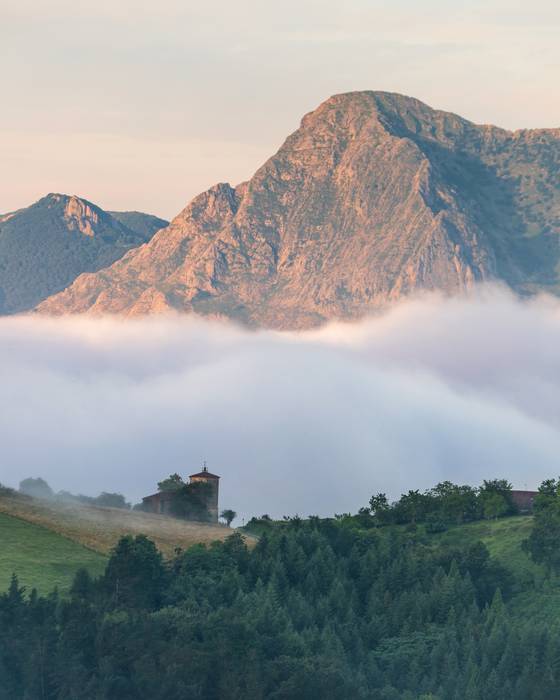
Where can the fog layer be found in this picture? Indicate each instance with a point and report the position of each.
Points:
(312, 422)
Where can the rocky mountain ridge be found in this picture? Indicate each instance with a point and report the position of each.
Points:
(374, 197)
(44, 247)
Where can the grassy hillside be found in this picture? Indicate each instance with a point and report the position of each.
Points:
(100, 528)
(503, 538)
(45, 543)
(535, 595)
(41, 558)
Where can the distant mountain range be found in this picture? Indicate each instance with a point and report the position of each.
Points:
(374, 197)
(44, 247)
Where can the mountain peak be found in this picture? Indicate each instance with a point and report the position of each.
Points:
(68, 235)
(376, 97)
(54, 198)
(376, 103)
(375, 196)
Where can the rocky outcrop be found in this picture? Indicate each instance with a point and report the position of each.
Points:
(374, 197)
(44, 247)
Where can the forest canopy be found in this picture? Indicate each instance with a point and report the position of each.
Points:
(319, 608)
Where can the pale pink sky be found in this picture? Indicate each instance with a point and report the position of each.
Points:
(141, 105)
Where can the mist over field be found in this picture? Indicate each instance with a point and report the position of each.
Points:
(315, 422)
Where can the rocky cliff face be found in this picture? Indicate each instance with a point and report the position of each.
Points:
(44, 247)
(375, 196)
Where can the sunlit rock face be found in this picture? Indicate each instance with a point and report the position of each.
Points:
(374, 197)
(44, 247)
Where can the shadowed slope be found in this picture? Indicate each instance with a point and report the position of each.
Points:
(44, 247)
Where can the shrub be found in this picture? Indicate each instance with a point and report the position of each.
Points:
(37, 488)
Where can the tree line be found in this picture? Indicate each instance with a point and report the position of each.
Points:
(543, 544)
(37, 487)
(438, 508)
(444, 505)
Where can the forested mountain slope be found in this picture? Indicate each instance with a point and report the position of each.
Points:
(44, 247)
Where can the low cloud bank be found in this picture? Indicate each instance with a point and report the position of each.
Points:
(460, 389)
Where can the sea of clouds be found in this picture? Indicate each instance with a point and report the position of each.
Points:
(313, 422)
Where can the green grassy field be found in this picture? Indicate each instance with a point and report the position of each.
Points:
(41, 558)
(99, 529)
(503, 538)
(45, 542)
(534, 594)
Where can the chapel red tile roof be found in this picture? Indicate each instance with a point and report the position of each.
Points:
(204, 474)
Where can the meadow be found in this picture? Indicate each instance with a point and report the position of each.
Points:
(41, 558)
(45, 542)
